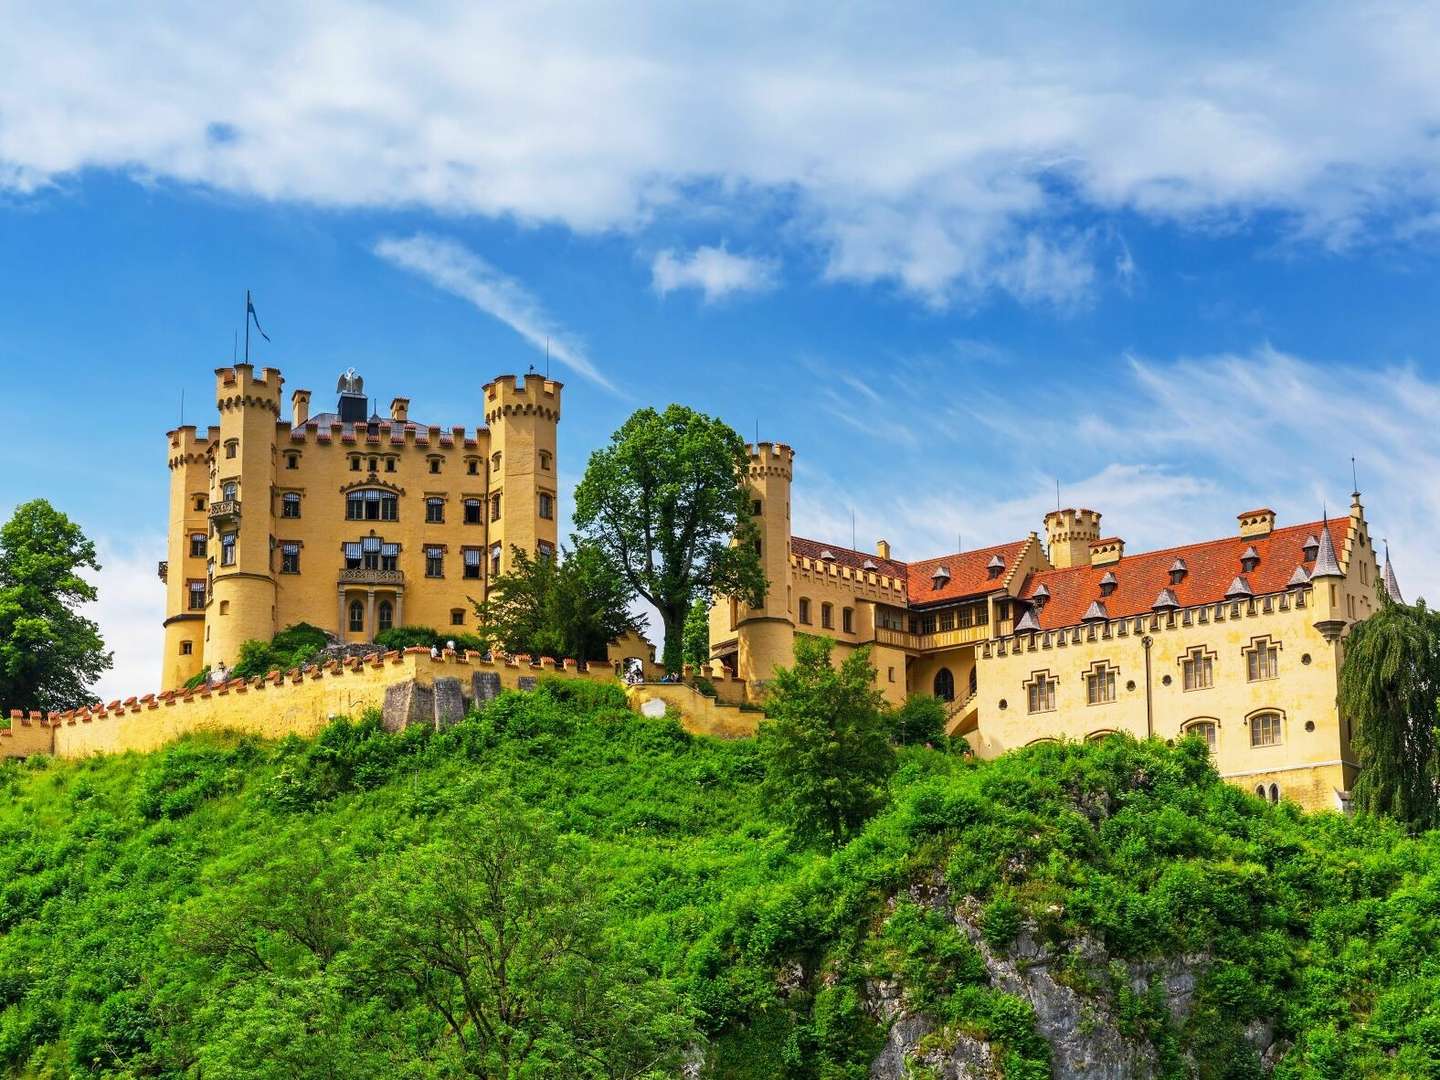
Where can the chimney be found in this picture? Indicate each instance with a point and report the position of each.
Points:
(299, 407)
(1107, 551)
(400, 409)
(882, 548)
(1257, 522)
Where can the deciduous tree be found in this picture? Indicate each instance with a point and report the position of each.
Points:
(668, 501)
(50, 654)
(826, 742)
(1390, 692)
(571, 607)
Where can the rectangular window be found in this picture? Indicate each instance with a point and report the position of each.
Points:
(290, 505)
(1042, 695)
(805, 610)
(227, 549)
(457, 617)
(1263, 662)
(472, 467)
(474, 512)
(544, 549)
(827, 616)
(197, 595)
(434, 465)
(434, 562)
(434, 511)
(354, 464)
(547, 506)
(389, 556)
(370, 551)
(352, 556)
(1199, 671)
(231, 449)
(847, 620)
(471, 557)
(187, 648)
(371, 506)
(197, 545)
(292, 461)
(289, 558)
(946, 620)
(1100, 686)
(495, 507)
(495, 561)
(1265, 729)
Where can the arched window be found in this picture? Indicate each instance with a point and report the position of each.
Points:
(945, 684)
(386, 614)
(1260, 791)
(230, 491)
(1274, 793)
(290, 505)
(827, 616)
(1265, 729)
(1099, 736)
(847, 620)
(805, 610)
(1205, 729)
(357, 617)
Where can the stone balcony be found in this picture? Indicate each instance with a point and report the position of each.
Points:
(225, 510)
(363, 576)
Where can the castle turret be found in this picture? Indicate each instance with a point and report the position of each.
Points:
(242, 601)
(1069, 534)
(766, 633)
(188, 543)
(521, 486)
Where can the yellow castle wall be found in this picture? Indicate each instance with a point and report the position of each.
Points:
(1303, 692)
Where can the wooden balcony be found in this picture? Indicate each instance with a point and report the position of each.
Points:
(364, 576)
(941, 639)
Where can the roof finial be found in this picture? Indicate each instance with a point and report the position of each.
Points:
(1354, 479)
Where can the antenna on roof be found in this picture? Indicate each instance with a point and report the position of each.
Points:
(547, 356)
(235, 347)
(1057, 493)
(182, 406)
(1354, 479)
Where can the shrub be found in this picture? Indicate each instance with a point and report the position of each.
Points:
(919, 721)
(406, 637)
(293, 647)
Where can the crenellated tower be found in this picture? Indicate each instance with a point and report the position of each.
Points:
(766, 633)
(242, 475)
(183, 572)
(1069, 534)
(523, 416)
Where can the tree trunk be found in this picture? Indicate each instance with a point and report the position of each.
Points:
(674, 655)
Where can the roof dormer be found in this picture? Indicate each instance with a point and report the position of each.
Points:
(1178, 570)
(1250, 560)
(995, 567)
(1108, 583)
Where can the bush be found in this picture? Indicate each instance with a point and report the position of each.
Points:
(406, 637)
(293, 647)
(919, 721)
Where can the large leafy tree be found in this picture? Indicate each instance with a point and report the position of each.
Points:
(499, 930)
(571, 607)
(826, 742)
(1390, 692)
(668, 501)
(697, 633)
(50, 655)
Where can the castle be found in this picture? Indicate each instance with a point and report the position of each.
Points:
(347, 520)
(1238, 640)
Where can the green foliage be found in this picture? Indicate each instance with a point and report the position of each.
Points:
(225, 907)
(293, 647)
(199, 679)
(1390, 690)
(920, 720)
(697, 633)
(400, 638)
(825, 742)
(571, 607)
(50, 655)
(665, 501)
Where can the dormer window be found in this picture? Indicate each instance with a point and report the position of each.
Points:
(869, 564)
(995, 566)
(1108, 583)
(1178, 570)
(1040, 597)
(940, 578)
(827, 555)
(1250, 559)
(1311, 549)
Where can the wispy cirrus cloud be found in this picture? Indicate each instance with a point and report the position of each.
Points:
(950, 153)
(456, 269)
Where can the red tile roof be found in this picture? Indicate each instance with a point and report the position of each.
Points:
(812, 549)
(968, 574)
(1211, 566)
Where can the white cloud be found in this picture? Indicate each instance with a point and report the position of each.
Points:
(458, 270)
(130, 610)
(713, 270)
(1187, 443)
(949, 152)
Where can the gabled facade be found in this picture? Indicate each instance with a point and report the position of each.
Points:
(1238, 639)
(348, 520)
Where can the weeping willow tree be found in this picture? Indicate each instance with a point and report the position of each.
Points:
(1390, 690)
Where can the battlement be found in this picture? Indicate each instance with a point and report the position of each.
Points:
(531, 394)
(188, 446)
(771, 459)
(890, 590)
(1153, 623)
(239, 386)
(389, 433)
(1069, 534)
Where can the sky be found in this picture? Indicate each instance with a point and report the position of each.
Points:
(1180, 262)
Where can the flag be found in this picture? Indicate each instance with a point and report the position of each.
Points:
(250, 314)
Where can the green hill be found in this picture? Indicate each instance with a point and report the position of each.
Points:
(559, 888)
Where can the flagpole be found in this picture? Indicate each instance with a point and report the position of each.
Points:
(247, 326)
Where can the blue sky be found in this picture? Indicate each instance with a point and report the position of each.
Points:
(1182, 266)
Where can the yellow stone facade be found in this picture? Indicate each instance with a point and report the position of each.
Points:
(347, 520)
(1247, 655)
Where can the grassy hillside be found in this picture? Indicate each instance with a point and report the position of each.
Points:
(230, 908)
